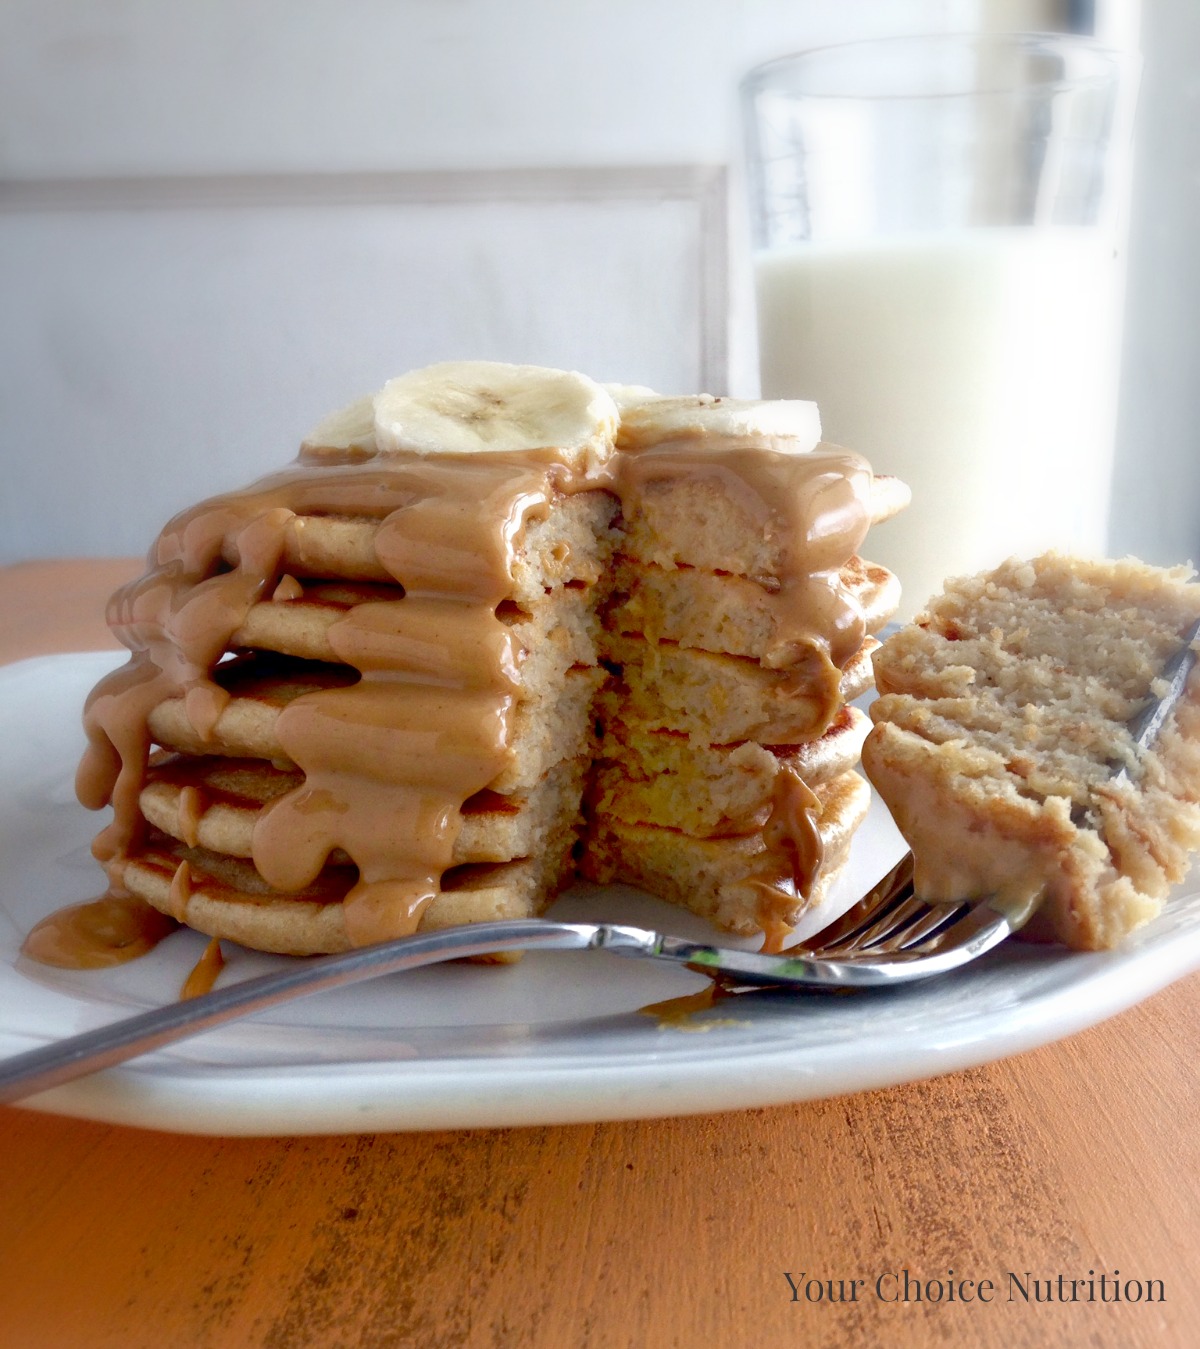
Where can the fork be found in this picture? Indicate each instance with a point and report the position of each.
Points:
(889, 937)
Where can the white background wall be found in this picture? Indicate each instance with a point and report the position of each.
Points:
(220, 218)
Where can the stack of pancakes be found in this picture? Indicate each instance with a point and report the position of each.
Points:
(204, 796)
(492, 632)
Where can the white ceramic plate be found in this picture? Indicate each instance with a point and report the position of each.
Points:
(557, 1038)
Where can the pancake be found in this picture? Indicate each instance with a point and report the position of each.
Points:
(662, 778)
(728, 614)
(216, 803)
(735, 880)
(248, 726)
(719, 699)
(696, 521)
(551, 634)
(567, 545)
(225, 897)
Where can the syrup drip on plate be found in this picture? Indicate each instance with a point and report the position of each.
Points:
(204, 973)
(96, 935)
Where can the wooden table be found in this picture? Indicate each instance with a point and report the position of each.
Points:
(1081, 1156)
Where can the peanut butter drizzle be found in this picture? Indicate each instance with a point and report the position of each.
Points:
(686, 1011)
(190, 812)
(389, 761)
(792, 837)
(104, 932)
(287, 589)
(680, 1010)
(181, 891)
(204, 973)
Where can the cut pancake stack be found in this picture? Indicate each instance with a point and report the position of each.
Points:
(515, 840)
(476, 642)
(372, 675)
(726, 778)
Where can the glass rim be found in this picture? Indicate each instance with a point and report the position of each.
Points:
(1107, 61)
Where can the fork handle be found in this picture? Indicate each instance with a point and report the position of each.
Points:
(50, 1066)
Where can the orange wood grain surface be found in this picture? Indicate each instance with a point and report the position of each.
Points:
(1079, 1156)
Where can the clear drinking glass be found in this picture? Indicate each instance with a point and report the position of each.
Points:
(935, 222)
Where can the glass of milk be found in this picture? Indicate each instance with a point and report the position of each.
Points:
(936, 224)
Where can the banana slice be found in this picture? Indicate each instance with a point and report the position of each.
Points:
(628, 396)
(350, 429)
(485, 407)
(780, 424)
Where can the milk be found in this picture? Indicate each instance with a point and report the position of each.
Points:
(979, 366)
